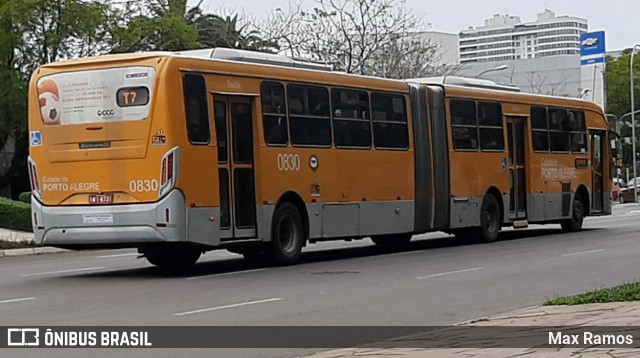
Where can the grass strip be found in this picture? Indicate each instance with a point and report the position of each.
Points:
(622, 293)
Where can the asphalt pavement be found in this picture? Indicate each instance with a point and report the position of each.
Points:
(434, 281)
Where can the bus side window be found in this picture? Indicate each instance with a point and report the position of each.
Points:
(559, 137)
(197, 114)
(351, 125)
(578, 131)
(274, 120)
(309, 117)
(464, 125)
(539, 129)
(389, 115)
(490, 126)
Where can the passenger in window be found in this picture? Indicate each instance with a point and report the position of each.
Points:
(462, 138)
(319, 109)
(572, 125)
(295, 106)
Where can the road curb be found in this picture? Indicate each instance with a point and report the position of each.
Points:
(31, 251)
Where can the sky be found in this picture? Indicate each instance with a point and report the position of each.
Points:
(620, 19)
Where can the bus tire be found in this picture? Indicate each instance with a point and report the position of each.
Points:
(393, 240)
(577, 216)
(172, 257)
(287, 235)
(489, 219)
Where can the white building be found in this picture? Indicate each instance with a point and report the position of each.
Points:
(505, 37)
(447, 46)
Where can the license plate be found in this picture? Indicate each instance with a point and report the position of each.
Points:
(101, 198)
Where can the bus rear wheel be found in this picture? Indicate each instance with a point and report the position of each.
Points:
(577, 216)
(287, 235)
(172, 256)
(489, 219)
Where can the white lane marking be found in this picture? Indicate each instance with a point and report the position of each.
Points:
(401, 253)
(229, 306)
(18, 300)
(63, 271)
(225, 274)
(583, 252)
(449, 273)
(117, 255)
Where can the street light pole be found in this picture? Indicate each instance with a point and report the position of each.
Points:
(633, 125)
(499, 68)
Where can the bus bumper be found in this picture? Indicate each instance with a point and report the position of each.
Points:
(110, 225)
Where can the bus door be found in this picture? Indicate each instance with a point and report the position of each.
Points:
(517, 168)
(234, 131)
(597, 139)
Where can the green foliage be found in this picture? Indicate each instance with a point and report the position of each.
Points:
(617, 82)
(25, 197)
(8, 245)
(626, 292)
(37, 32)
(217, 31)
(59, 29)
(15, 215)
(159, 25)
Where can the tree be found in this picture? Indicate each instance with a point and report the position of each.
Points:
(227, 31)
(617, 83)
(54, 30)
(355, 35)
(36, 32)
(154, 25)
(542, 84)
(169, 25)
(411, 55)
(13, 106)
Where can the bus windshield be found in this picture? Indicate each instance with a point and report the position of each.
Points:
(96, 96)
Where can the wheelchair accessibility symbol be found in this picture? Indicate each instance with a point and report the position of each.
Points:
(36, 138)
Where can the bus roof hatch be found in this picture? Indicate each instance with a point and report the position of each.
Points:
(255, 57)
(465, 81)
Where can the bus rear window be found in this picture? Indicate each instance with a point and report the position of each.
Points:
(96, 96)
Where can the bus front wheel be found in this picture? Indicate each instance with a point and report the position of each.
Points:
(172, 256)
(577, 216)
(287, 235)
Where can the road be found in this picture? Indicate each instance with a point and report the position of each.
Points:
(435, 281)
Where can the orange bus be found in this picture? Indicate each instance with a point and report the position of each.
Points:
(180, 153)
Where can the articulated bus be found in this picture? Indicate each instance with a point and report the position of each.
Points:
(180, 153)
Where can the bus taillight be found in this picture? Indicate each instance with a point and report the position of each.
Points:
(163, 175)
(168, 172)
(170, 167)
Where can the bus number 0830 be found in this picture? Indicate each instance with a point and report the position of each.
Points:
(288, 162)
(138, 186)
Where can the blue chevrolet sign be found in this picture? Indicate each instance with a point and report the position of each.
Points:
(592, 48)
